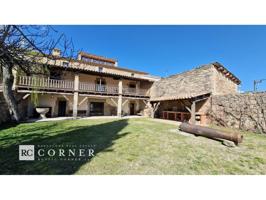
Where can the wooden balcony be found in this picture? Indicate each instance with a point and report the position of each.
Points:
(31, 82)
(47, 84)
(95, 88)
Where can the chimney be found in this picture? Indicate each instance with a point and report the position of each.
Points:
(56, 52)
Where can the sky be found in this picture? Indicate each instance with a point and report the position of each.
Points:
(166, 50)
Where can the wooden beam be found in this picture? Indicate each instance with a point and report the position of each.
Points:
(185, 105)
(156, 106)
(198, 100)
(113, 101)
(124, 102)
(189, 110)
(145, 102)
(193, 113)
(70, 103)
(86, 95)
(25, 96)
(83, 100)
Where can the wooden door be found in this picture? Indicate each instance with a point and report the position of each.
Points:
(61, 108)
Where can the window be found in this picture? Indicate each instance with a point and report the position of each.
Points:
(65, 64)
(100, 69)
(56, 74)
(100, 85)
(96, 108)
(97, 61)
(132, 74)
(132, 85)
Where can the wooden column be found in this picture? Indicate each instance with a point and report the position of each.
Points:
(76, 96)
(193, 113)
(119, 102)
(138, 87)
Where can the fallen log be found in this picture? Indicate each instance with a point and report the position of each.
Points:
(211, 133)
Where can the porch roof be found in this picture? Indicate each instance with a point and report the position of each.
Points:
(177, 97)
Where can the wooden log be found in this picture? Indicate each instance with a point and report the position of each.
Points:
(211, 133)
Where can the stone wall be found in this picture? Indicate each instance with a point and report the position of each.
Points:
(222, 84)
(195, 82)
(242, 111)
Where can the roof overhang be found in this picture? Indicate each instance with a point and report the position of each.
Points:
(226, 72)
(107, 74)
(180, 97)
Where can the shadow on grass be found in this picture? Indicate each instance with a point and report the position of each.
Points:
(101, 135)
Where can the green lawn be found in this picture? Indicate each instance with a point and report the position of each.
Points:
(130, 146)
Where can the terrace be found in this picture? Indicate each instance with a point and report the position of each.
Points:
(47, 84)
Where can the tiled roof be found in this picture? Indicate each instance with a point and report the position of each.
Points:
(86, 69)
(226, 72)
(110, 67)
(81, 53)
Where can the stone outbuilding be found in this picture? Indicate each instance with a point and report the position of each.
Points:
(186, 96)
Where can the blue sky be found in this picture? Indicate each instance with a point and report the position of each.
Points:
(166, 50)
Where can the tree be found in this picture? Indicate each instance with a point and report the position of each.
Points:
(27, 49)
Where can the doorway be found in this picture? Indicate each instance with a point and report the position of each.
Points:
(132, 108)
(100, 85)
(61, 108)
(96, 109)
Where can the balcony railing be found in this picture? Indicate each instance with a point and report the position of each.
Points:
(66, 85)
(45, 83)
(133, 91)
(90, 87)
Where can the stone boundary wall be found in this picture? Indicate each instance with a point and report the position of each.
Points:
(245, 111)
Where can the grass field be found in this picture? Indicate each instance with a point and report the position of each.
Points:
(130, 146)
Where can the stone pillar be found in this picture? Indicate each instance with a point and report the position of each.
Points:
(193, 113)
(119, 102)
(76, 96)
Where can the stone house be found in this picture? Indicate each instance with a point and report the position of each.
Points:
(95, 85)
(91, 85)
(187, 96)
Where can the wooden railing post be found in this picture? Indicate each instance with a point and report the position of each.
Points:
(119, 103)
(138, 88)
(76, 95)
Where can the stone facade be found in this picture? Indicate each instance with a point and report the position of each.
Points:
(222, 84)
(196, 82)
(242, 111)
(175, 91)
(110, 108)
